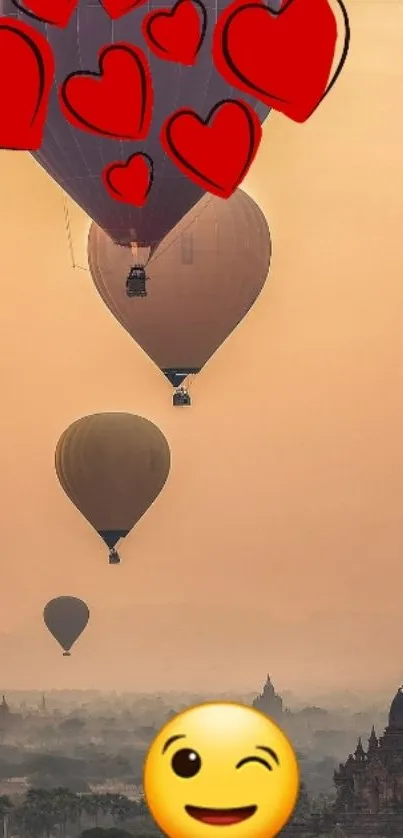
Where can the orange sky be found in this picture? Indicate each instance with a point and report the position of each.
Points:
(278, 541)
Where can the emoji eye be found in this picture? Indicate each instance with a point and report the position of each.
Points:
(254, 759)
(186, 763)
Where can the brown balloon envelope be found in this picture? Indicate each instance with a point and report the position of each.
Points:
(112, 466)
(202, 280)
(66, 618)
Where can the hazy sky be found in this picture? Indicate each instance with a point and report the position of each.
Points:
(278, 541)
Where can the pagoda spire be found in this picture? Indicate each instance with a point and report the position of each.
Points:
(372, 741)
(359, 751)
(269, 687)
(268, 700)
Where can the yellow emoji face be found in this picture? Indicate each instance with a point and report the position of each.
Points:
(221, 769)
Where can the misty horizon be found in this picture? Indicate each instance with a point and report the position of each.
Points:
(244, 652)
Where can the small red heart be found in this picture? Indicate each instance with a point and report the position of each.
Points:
(216, 156)
(130, 182)
(282, 58)
(116, 102)
(27, 69)
(177, 34)
(56, 12)
(118, 8)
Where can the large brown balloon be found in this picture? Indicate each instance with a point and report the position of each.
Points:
(202, 280)
(112, 466)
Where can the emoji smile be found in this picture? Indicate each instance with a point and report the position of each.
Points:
(220, 817)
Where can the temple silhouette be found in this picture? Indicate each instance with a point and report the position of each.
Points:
(369, 784)
(270, 702)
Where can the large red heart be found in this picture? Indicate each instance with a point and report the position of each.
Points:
(119, 8)
(282, 58)
(177, 34)
(57, 12)
(215, 153)
(130, 182)
(118, 101)
(26, 74)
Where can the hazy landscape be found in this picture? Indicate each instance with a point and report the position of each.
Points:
(71, 760)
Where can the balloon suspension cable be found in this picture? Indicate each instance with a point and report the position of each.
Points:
(133, 247)
(140, 254)
(187, 382)
(67, 223)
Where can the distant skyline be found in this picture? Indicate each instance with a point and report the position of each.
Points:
(367, 700)
(277, 543)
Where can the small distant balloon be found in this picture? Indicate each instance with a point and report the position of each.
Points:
(65, 618)
(112, 466)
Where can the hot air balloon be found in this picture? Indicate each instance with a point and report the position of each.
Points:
(75, 158)
(202, 280)
(66, 618)
(112, 466)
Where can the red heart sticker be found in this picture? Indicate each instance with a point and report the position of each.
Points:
(215, 153)
(57, 12)
(130, 182)
(282, 58)
(118, 8)
(116, 102)
(177, 34)
(27, 68)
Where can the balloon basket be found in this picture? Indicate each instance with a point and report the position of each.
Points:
(181, 399)
(66, 654)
